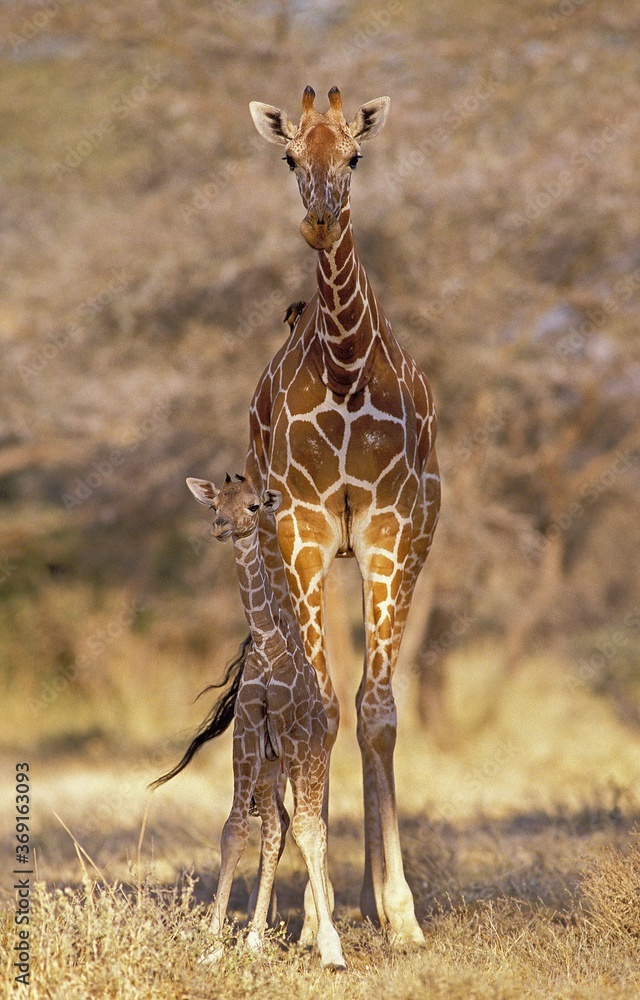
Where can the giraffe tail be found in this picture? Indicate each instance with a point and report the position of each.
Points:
(219, 718)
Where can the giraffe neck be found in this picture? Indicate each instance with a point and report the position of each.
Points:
(260, 607)
(348, 320)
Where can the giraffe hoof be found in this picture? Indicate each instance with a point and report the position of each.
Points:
(308, 935)
(335, 966)
(407, 938)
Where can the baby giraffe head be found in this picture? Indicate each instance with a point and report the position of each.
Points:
(237, 505)
(323, 150)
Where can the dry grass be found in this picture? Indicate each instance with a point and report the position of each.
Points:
(547, 932)
(520, 849)
(611, 887)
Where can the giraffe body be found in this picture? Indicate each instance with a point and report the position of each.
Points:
(343, 425)
(280, 722)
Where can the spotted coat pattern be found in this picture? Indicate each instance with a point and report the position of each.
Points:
(280, 723)
(343, 424)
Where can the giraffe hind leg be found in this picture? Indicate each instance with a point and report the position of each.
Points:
(281, 787)
(275, 822)
(235, 831)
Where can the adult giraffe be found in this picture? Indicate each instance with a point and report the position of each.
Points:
(343, 425)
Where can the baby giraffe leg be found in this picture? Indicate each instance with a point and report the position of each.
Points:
(310, 832)
(310, 835)
(275, 822)
(235, 832)
(281, 782)
(309, 932)
(234, 838)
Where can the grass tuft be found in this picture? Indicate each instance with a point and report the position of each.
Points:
(611, 889)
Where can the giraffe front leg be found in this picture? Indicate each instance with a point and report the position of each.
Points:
(385, 886)
(309, 932)
(235, 833)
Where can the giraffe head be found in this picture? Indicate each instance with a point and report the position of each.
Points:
(323, 150)
(237, 505)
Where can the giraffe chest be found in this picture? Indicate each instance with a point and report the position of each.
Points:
(346, 453)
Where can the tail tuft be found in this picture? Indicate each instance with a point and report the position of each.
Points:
(219, 718)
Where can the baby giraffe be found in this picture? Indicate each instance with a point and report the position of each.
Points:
(280, 723)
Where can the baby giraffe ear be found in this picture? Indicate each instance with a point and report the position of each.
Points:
(204, 491)
(271, 500)
(272, 123)
(370, 119)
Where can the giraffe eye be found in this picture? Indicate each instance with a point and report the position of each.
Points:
(353, 162)
(254, 507)
(291, 163)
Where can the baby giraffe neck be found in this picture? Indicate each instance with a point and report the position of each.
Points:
(259, 604)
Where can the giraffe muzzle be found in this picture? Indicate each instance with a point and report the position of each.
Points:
(222, 529)
(320, 228)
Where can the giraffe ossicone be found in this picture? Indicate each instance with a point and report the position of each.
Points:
(280, 721)
(343, 424)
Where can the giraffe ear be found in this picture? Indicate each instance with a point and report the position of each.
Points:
(370, 119)
(271, 500)
(204, 491)
(272, 123)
